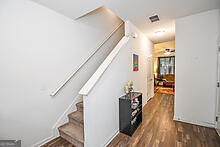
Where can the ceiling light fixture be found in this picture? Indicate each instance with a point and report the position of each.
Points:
(159, 33)
(167, 53)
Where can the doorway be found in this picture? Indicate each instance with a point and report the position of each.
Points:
(164, 67)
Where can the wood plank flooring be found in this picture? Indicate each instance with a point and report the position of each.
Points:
(58, 142)
(158, 129)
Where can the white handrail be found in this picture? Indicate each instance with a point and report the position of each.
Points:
(102, 43)
(97, 75)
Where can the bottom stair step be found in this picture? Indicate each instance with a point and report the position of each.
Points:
(72, 133)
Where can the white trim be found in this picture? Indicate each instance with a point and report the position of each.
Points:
(98, 73)
(217, 88)
(150, 97)
(45, 140)
(105, 144)
(195, 122)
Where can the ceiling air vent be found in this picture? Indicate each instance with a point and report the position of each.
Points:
(154, 18)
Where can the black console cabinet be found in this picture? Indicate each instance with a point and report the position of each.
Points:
(130, 114)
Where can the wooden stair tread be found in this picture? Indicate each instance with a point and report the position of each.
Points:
(77, 116)
(80, 104)
(73, 131)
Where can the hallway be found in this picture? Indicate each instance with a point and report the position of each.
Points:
(159, 129)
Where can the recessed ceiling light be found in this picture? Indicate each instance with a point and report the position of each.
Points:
(159, 33)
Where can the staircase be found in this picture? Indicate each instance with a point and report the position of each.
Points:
(71, 133)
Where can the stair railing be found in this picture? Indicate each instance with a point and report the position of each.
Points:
(93, 53)
(100, 71)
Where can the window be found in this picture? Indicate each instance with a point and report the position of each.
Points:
(167, 65)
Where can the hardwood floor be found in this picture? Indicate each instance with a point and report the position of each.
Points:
(58, 142)
(159, 129)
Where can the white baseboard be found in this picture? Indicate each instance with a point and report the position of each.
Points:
(105, 144)
(61, 120)
(148, 98)
(151, 96)
(42, 142)
(195, 122)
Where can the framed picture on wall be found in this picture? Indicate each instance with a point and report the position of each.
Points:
(135, 62)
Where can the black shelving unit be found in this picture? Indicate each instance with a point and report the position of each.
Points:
(130, 117)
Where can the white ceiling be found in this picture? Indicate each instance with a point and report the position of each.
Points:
(138, 11)
(72, 8)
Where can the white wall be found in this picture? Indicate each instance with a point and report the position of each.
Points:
(101, 111)
(196, 68)
(40, 49)
(219, 28)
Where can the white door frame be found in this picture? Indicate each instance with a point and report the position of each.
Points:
(217, 110)
(150, 76)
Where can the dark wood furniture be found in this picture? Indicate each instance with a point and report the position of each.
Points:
(130, 114)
